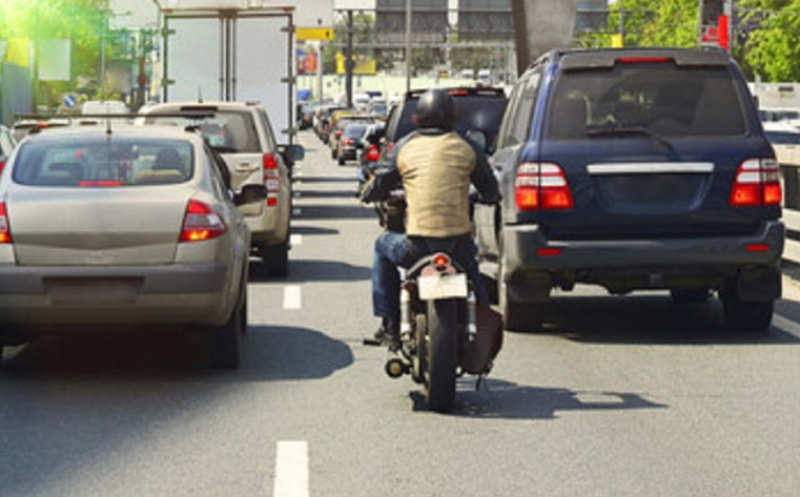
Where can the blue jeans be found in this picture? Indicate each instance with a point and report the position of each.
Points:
(393, 250)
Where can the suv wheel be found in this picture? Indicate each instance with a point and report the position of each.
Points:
(746, 316)
(523, 317)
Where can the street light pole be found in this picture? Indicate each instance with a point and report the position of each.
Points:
(408, 45)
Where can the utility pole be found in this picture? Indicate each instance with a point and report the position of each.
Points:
(348, 61)
(408, 45)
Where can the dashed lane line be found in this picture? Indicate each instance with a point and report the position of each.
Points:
(292, 297)
(295, 240)
(291, 469)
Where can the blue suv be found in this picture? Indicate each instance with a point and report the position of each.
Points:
(634, 169)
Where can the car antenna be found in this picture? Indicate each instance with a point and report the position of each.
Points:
(108, 127)
(199, 94)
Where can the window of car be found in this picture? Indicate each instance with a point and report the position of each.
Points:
(662, 98)
(783, 137)
(99, 162)
(230, 131)
(517, 127)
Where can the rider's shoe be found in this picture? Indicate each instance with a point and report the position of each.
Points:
(388, 333)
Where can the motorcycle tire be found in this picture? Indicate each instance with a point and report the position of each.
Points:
(442, 354)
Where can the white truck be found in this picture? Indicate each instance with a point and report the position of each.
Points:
(232, 54)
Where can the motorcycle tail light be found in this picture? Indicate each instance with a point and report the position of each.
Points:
(441, 261)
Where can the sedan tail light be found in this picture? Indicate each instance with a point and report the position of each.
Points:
(757, 183)
(2, 165)
(272, 179)
(542, 186)
(201, 223)
(5, 226)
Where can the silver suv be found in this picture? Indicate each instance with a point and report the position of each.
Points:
(241, 133)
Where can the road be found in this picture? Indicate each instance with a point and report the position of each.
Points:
(622, 396)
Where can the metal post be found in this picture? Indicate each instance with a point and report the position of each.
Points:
(348, 61)
(102, 81)
(408, 45)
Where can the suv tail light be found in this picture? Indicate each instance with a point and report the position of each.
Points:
(272, 179)
(201, 223)
(757, 183)
(2, 165)
(5, 227)
(347, 142)
(542, 186)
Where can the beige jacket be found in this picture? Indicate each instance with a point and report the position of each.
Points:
(436, 176)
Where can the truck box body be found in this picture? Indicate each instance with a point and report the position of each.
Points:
(232, 55)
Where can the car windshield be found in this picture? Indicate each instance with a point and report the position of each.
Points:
(355, 130)
(660, 99)
(229, 131)
(98, 162)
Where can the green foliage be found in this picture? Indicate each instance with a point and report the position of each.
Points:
(82, 21)
(772, 39)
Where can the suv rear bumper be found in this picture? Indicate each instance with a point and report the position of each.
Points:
(534, 263)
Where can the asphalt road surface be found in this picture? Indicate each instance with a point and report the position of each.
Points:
(621, 396)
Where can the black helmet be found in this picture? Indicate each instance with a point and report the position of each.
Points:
(435, 109)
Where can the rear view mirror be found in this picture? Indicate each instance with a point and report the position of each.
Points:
(250, 194)
(478, 137)
(292, 153)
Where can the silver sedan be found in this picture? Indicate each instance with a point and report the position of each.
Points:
(122, 227)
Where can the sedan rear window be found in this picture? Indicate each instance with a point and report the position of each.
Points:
(104, 163)
(661, 99)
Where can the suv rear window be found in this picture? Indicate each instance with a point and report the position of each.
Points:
(659, 98)
(227, 131)
(473, 112)
(104, 163)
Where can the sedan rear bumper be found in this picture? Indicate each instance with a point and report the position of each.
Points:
(182, 294)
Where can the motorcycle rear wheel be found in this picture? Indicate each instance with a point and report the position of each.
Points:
(441, 355)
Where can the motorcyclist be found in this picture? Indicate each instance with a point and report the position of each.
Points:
(436, 166)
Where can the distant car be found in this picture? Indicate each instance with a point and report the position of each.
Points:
(243, 136)
(132, 228)
(7, 145)
(347, 145)
(337, 129)
(785, 139)
(377, 108)
(776, 114)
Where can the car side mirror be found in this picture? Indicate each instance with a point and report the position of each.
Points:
(292, 153)
(250, 194)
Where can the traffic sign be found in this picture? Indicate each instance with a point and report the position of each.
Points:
(303, 34)
(70, 100)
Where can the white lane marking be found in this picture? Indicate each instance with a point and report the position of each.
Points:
(295, 240)
(292, 297)
(786, 325)
(291, 469)
(298, 174)
(297, 211)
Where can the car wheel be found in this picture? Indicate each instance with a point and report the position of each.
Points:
(341, 161)
(746, 316)
(226, 341)
(521, 317)
(333, 153)
(276, 260)
(689, 296)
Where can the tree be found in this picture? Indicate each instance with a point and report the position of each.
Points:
(770, 41)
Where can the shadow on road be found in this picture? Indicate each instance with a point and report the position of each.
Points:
(268, 353)
(650, 320)
(350, 194)
(305, 270)
(313, 230)
(506, 400)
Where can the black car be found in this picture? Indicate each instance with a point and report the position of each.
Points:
(634, 169)
(478, 114)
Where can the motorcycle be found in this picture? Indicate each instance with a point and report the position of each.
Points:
(444, 332)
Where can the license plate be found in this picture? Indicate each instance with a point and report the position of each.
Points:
(446, 286)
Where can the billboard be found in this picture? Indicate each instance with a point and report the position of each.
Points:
(480, 20)
(428, 21)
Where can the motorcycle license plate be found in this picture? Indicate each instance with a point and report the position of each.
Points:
(446, 286)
